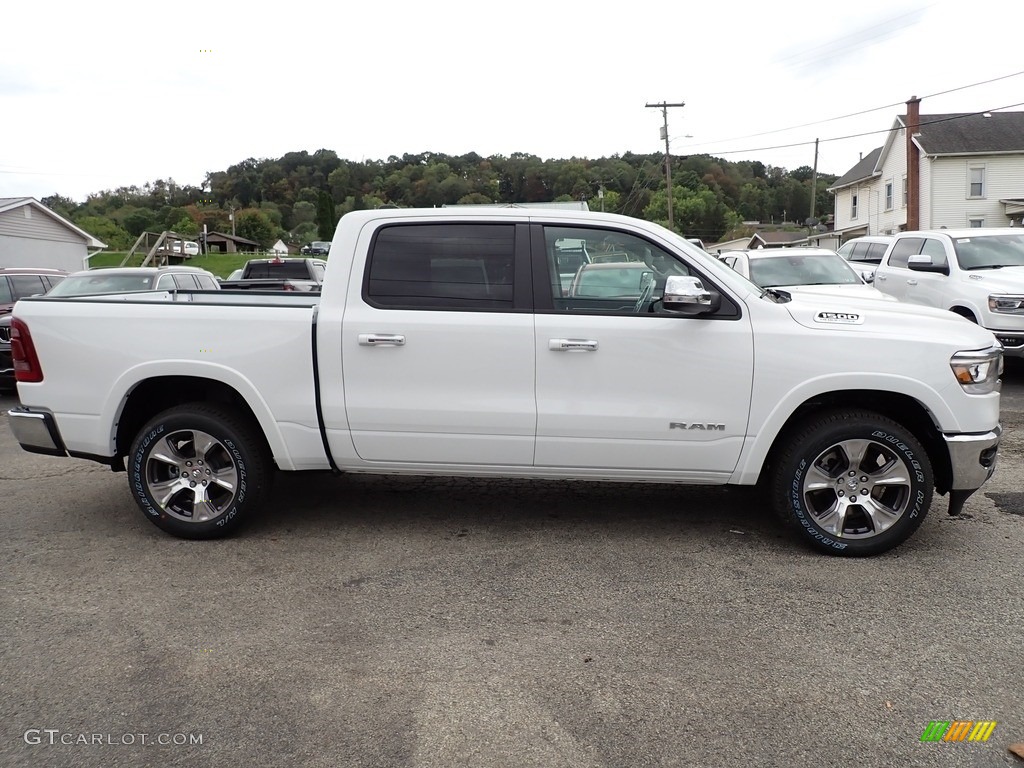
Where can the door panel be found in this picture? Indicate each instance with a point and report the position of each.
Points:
(436, 372)
(626, 386)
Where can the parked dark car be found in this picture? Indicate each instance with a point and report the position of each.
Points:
(7, 383)
(17, 283)
(316, 248)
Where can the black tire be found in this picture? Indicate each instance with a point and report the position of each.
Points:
(892, 482)
(198, 471)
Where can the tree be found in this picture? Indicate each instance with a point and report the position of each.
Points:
(325, 221)
(253, 224)
(304, 232)
(186, 227)
(64, 206)
(138, 220)
(114, 235)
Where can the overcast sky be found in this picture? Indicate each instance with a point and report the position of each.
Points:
(105, 94)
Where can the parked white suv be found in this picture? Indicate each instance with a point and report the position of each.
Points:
(976, 273)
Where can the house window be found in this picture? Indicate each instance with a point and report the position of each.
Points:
(976, 174)
(976, 223)
(888, 195)
(904, 191)
(853, 206)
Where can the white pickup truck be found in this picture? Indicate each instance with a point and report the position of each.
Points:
(976, 273)
(445, 343)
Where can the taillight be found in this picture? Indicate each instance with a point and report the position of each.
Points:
(26, 361)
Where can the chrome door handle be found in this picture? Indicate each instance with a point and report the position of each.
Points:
(879, 277)
(567, 345)
(911, 282)
(381, 339)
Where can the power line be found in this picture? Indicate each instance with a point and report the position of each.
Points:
(859, 135)
(856, 114)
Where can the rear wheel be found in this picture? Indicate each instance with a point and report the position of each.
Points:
(853, 482)
(198, 471)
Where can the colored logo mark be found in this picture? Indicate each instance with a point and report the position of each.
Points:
(958, 730)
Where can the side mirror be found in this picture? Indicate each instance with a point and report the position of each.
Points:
(686, 295)
(921, 262)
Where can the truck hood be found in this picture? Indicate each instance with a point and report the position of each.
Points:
(854, 291)
(878, 316)
(1003, 280)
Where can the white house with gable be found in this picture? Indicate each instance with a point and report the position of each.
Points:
(970, 170)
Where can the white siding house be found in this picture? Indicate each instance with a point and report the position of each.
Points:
(971, 170)
(31, 235)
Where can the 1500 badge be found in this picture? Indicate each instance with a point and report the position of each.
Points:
(845, 318)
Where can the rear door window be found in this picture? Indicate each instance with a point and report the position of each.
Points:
(27, 285)
(185, 282)
(903, 250)
(442, 266)
(859, 252)
(875, 252)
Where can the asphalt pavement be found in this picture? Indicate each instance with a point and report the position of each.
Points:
(376, 621)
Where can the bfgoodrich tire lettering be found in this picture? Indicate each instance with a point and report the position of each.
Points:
(852, 482)
(198, 471)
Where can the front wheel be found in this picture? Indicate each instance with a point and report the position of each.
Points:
(198, 471)
(853, 482)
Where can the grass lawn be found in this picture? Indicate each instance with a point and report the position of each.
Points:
(221, 264)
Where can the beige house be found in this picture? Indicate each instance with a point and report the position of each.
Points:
(964, 170)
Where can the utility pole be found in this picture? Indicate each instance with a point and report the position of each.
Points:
(668, 158)
(814, 183)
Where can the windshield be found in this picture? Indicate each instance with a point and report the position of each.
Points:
(802, 269)
(83, 285)
(989, 251)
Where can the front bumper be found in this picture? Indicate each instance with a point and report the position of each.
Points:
(973, 458)
(36, 431)
(1012, 341)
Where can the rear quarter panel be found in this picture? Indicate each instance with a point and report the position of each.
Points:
(94, 353)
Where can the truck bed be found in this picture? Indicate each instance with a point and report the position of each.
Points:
(262, 345)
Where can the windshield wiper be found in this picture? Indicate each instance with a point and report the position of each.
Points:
(989, 266)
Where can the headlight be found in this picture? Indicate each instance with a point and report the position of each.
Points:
(978, 371)
(1008, 305)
